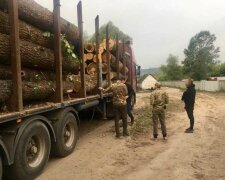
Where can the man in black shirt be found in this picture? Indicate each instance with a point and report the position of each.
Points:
(131, 94)
(189, 101)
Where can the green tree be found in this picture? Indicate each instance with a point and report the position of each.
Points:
(172, 70)
(200, 55)
(113, 31)
(218, 70)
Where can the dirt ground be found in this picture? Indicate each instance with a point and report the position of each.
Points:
(201, 155)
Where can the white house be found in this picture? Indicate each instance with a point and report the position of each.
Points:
(147, 81)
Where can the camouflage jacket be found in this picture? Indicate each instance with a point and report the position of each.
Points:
(119, 91)
(159, 99)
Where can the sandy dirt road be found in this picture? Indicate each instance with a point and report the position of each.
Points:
(200, 155)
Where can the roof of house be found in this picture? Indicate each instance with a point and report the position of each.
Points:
(142, 78)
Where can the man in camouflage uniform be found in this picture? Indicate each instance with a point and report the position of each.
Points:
(159, 101)
(119, 91)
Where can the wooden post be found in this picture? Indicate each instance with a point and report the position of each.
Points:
(57, 52)
(81, 49)
(107, 56)
(16, 103)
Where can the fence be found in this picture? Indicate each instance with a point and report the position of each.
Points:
(199, 85)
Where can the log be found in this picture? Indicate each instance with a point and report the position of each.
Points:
(111, 44)
(99, 58)
(104, 57)
(89, 56)
(114, 64)
(34, 56)
(28, 74)
(32, 91)
(104, 68)
(90, 82)
(40, 17)
(92, 68)
(85, 57)
(101, 49)
(95, 58)
(113, 75)
(26, 32)
(89, 48)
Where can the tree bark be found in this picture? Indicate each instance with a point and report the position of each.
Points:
(40, 17)
(90, 82)
(27, 32)
(34, 56)
(32, 91)
(28, 74)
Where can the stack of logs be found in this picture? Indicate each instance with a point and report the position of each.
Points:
(37, 55)
(90, 58)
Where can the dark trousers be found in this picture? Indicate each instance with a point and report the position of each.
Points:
(129, 112)
(190, 113)
(120, 112)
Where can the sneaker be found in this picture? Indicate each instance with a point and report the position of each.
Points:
(189, 130)
(165, 138)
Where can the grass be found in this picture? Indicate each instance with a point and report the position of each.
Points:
(143, 116)
(142, 123)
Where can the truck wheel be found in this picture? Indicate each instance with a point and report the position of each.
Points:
(32, 152)
(1, 169)
(66, 135)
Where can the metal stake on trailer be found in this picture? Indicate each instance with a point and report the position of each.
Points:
(131, 69)
(57, 52)
(117, 56)
(124, 60)
(99, 62)
(107, 56)
(16, 103)
(81, 49)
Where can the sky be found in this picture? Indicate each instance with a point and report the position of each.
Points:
(158, 27)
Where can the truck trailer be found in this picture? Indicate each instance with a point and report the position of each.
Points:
(30, 133)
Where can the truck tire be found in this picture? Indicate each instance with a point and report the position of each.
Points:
(32, 152)
(1, 169)
(66, 135)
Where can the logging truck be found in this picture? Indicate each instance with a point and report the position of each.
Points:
(43, 90)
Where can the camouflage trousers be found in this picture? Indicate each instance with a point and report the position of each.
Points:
(159, 116)
(120, 113)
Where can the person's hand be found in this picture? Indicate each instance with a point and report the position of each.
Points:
(126, 97)
(100, 88)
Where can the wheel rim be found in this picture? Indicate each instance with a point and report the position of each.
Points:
(69, 133)
(35, 150)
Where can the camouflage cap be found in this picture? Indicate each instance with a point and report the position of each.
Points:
(157, 85)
